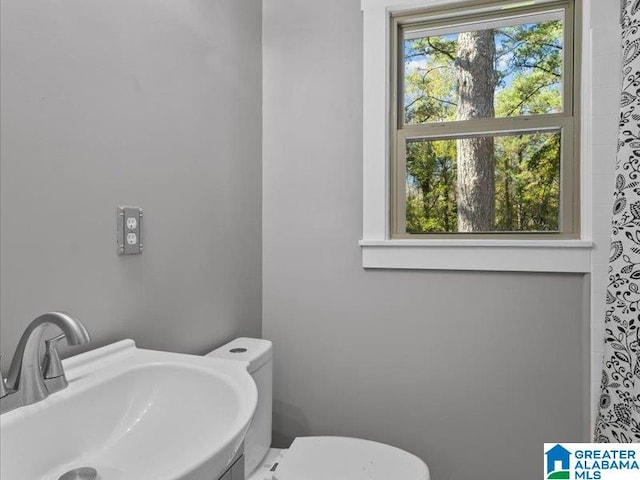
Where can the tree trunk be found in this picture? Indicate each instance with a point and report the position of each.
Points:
(476, 163)
(508, 213)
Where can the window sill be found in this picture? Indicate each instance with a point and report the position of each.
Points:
(479, 254)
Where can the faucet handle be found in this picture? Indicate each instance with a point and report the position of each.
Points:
(9, 399)
(3, 387)
(52, 365)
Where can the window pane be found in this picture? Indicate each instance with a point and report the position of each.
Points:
(499, 68)
(505, 183)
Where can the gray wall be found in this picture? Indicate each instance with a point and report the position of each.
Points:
(470, 371)
(148, 103)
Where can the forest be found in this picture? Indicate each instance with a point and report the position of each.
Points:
(504, 182)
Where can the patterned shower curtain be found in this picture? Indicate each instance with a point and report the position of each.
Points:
(619, 415)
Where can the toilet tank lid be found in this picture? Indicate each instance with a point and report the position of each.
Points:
(256, 351)
(320, 458)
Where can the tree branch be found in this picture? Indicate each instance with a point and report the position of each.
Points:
(439, 50)
(538, 67)
(542, 44)
(531, 94)
(422, 97)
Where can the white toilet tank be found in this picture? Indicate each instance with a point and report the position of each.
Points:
(259, 354)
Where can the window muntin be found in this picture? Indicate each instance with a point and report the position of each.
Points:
(532, 61)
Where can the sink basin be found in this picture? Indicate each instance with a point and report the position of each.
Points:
(132, 414)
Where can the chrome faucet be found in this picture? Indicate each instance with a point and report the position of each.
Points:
(29, 382)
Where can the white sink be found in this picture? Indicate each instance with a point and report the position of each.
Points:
(133, 414)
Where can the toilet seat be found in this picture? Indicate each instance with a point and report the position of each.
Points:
(343, 458)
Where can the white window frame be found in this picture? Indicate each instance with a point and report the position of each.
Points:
(378, 249)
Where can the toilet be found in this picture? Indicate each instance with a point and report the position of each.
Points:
(309, 458)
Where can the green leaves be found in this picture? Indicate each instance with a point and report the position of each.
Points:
(431, 192)
(430, 94)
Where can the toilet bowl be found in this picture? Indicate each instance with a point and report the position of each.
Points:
(309, 458)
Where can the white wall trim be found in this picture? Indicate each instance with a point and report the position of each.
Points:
(402, 5)
(474, 257)
(484, 243)
(378, 250)
(376, 119)
(602, 53)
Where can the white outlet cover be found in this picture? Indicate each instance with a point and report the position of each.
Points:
(129, 226)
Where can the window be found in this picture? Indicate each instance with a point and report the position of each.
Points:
(488, 176)
(484, 141)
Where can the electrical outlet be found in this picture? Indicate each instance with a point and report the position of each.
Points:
(132, 223)
(129, 230)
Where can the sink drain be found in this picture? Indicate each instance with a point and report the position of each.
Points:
(84, 473)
